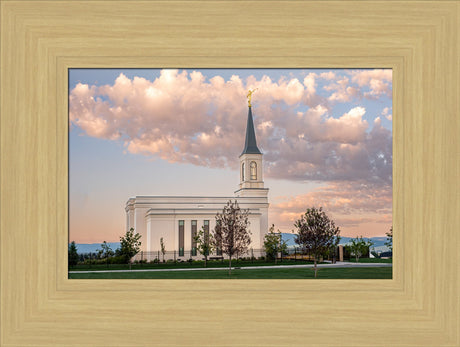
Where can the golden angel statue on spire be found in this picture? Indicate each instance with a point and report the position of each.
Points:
(249, 96)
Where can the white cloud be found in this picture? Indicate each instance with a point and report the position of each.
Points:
(386, 113)
(169, 118)
(310, 83)
(341, 90)
(379, 81)
(328, 75)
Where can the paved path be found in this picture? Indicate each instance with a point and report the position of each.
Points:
(338, 264)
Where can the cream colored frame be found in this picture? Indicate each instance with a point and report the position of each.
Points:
(41, 40)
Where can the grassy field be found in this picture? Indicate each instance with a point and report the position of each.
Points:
(184, 265)
(200, 264)
(295, 273)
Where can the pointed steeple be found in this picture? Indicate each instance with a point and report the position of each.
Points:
(250, 144)
(251, 164)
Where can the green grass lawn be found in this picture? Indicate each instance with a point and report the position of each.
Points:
(185, 265)
(296, 273)
(200, 264)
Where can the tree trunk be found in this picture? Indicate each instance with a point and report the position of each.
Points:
(316, 269)
(230, 266)
(130, 264)
(205, 261)
(356, 258)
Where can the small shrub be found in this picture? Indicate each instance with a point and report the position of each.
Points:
(117, 260)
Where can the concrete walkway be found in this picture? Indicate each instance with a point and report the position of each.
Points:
(339, 264)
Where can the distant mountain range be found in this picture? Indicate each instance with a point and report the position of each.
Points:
(93, 247)
(289, 238)
(378, 241)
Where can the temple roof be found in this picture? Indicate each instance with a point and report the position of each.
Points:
(250, 145)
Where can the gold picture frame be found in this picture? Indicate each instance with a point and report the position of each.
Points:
(40, 40)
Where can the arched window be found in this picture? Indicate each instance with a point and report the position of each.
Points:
(242, 172)
(253, 170)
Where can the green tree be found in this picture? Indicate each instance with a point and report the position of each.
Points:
(389, 241)
(73, 255)
(231, 234)
(99, 253)
(130, 245)
(273, 244)
(316, 233)
(359, 247)
(163, 249)
(106, 252)
(332, 251)
(204, 244)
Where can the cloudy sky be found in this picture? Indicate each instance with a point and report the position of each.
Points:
(325, 135)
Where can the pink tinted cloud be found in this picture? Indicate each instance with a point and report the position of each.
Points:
(379, 81)
(184, 117)
(310, 83)
(341, 90)
(331, 149)
(343, 198)
(350, 204)
(370, 84)
(386, 113)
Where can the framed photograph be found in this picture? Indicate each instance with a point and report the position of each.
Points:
(269, 173)
(42, 40)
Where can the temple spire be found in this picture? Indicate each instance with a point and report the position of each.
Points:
(250, 144)
(251, 168)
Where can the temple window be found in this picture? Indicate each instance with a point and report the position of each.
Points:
(253, 170)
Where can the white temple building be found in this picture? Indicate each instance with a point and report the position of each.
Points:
(177, 219)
